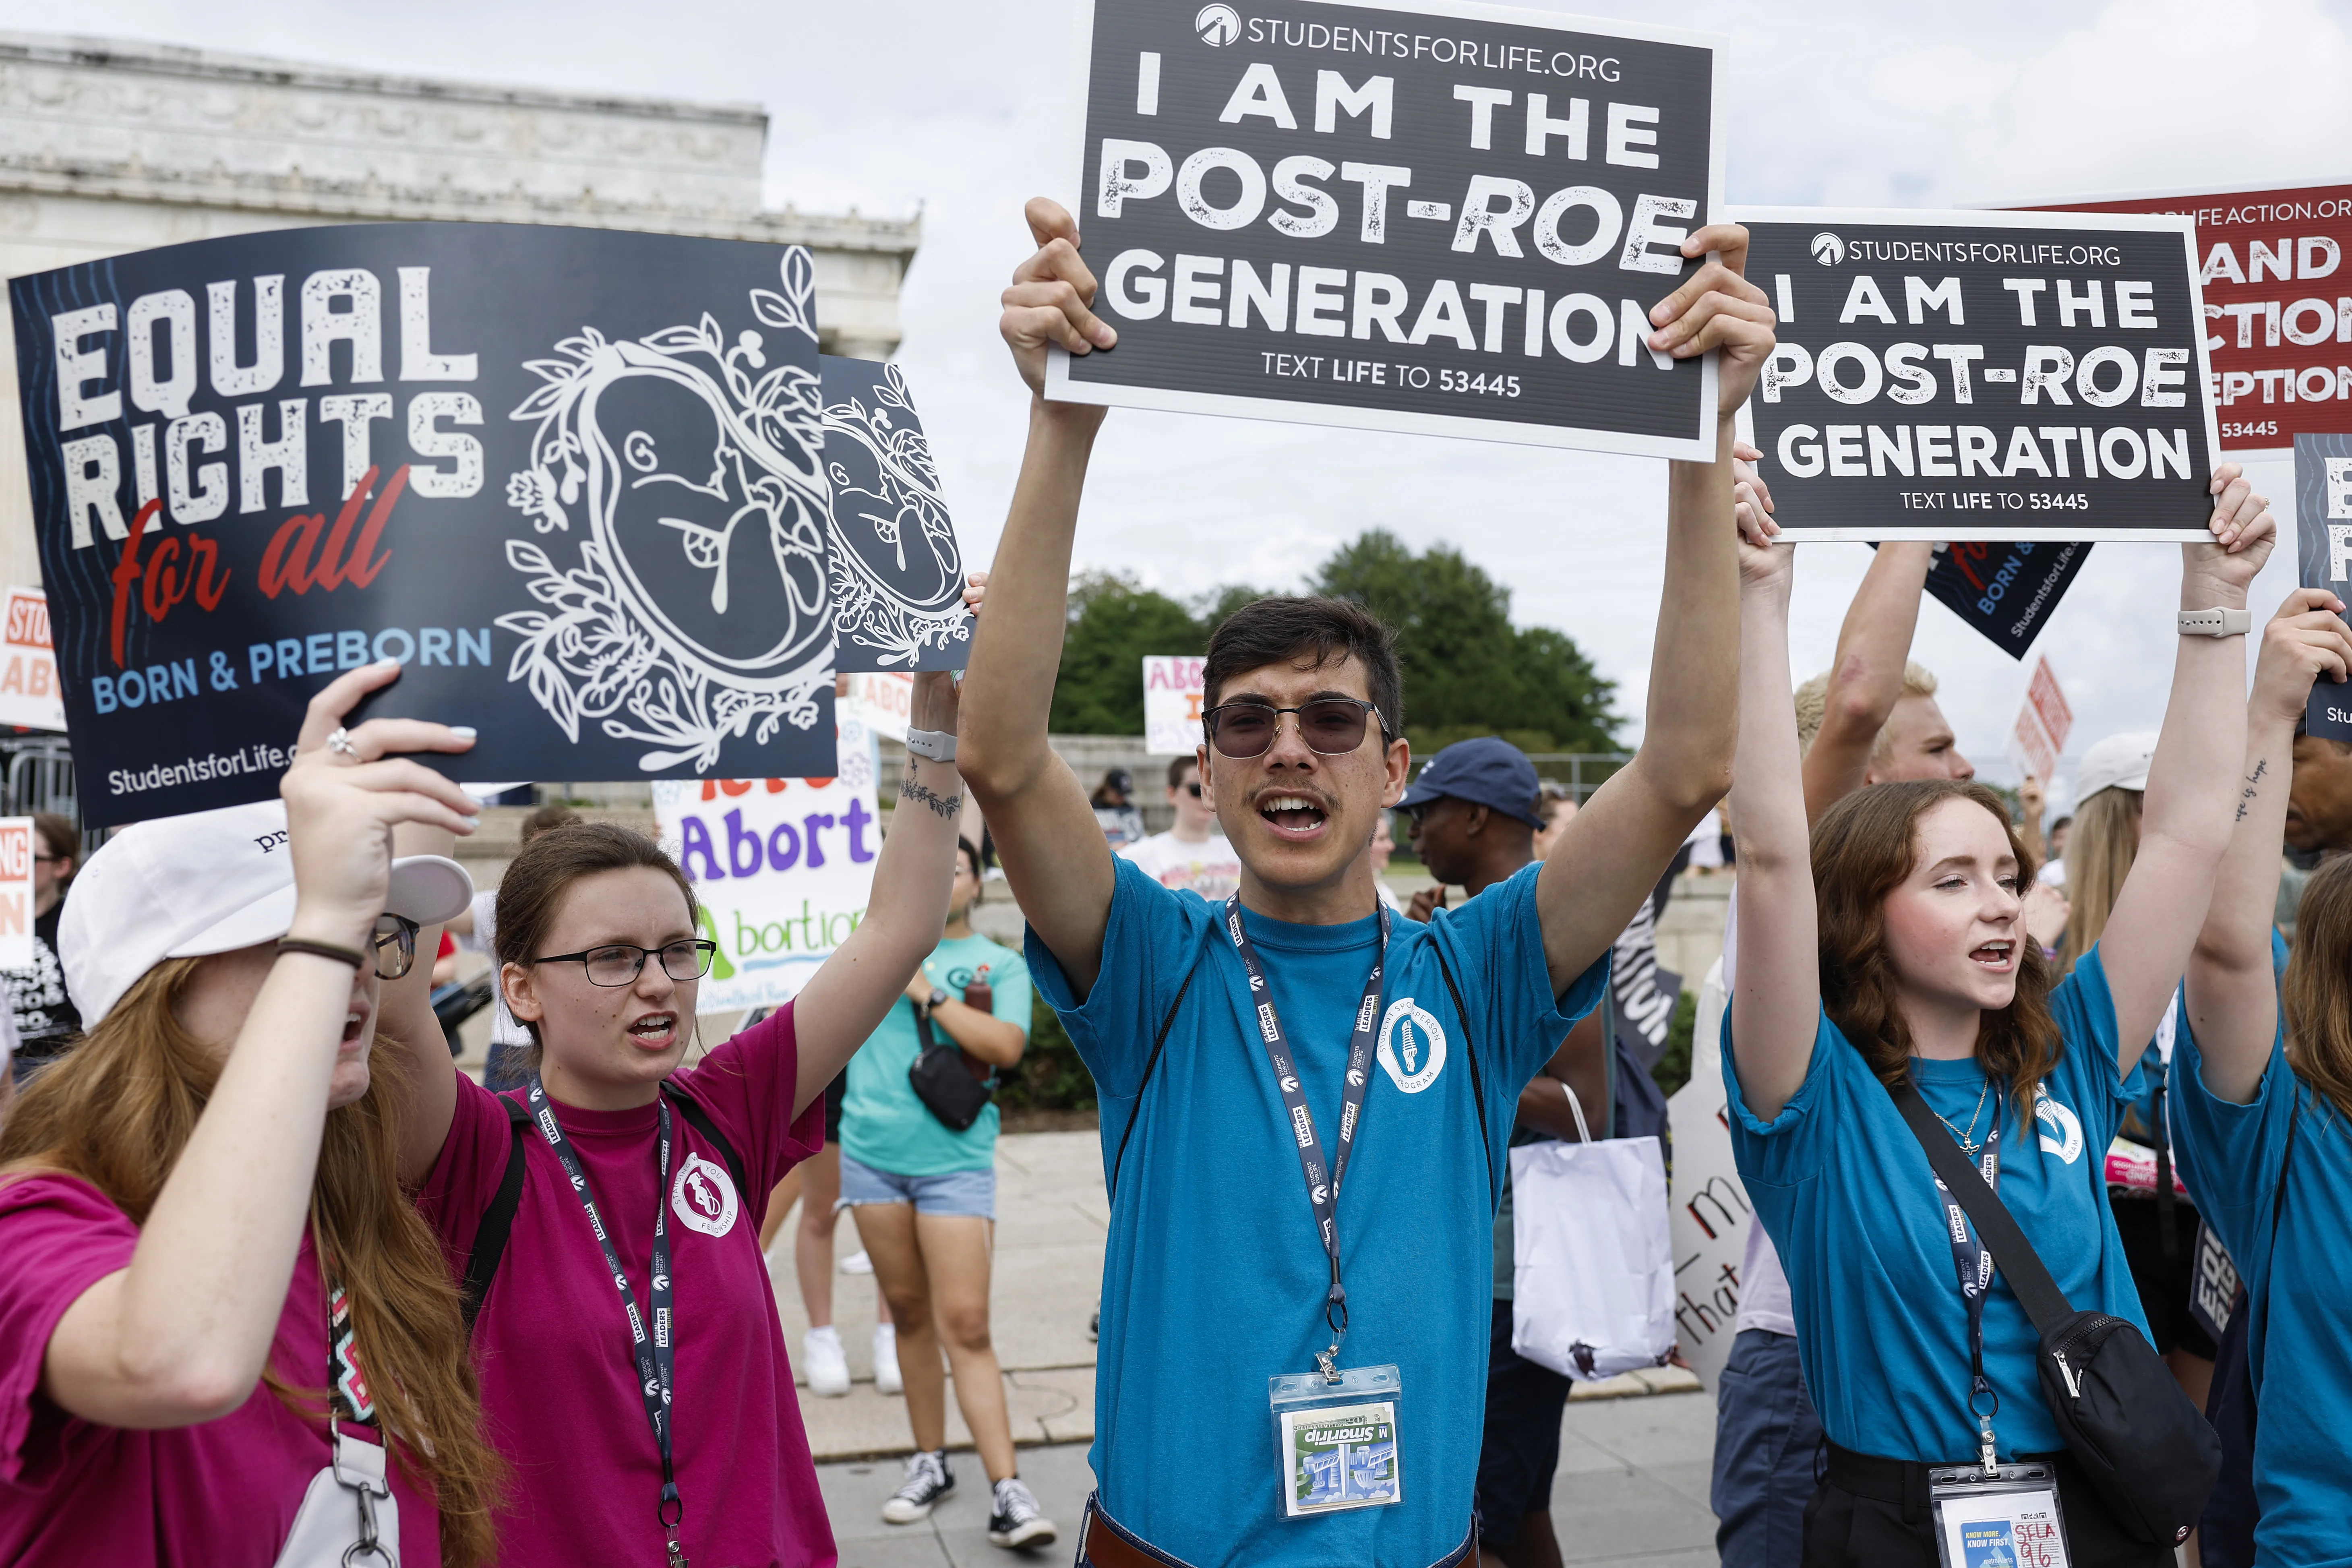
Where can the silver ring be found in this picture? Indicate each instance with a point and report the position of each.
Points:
(340, 743)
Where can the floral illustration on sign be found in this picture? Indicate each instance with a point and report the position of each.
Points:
(696, 472)
(895, 574)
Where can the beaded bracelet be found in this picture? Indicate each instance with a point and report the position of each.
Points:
(323, 950)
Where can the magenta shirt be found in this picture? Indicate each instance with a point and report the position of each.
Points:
(558, 1383)
(73, 1492)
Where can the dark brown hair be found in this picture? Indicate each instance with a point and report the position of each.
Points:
(2316, 990)
(58, 833)
(118, 1108)
(1862, 848)
(1177, 766)
(532, 893)
(546, 819)
(1307, 634)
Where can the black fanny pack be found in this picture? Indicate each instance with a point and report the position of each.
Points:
(944, 1079)
(2144, 1447)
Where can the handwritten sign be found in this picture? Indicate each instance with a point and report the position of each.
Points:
(878, 699)
(28, 670)
(17, 851)
(1707, 1207)
(1172, 693)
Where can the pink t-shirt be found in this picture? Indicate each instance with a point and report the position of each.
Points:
(73, 1492)
(559, 1385)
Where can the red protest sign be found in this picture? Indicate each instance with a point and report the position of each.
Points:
(2278, 302)
(2034, 745)
(2049, 705)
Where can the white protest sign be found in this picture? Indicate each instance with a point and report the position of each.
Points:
(28, 670)
(781, 868)
(878, 699)
(1707, 1209)
(16, 852)
(1172, 704)
(2043, 722)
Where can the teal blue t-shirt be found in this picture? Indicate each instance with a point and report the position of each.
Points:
(2298, 1291)
(1214, 1277)
(1846, 1195)
(884, 1124)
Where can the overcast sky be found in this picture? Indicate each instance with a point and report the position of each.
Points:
(959, 109)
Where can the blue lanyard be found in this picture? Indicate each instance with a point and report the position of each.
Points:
(1974, 1262)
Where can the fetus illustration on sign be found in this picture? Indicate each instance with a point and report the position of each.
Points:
(685, 467)
(894, 569)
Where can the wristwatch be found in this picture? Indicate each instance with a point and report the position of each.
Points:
(2214, 623)
(939, 745)
(937, 996)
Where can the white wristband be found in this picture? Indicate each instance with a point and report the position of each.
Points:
(939, 745)
(2214, 623)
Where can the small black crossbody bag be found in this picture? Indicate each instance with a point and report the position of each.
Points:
(2142, 1445)
(942, 1078)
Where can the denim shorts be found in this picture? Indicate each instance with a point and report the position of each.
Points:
(952, 1192)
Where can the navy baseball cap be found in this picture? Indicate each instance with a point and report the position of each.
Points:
(1488, 770)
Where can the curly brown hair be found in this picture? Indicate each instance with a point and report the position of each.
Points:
(1862, 848)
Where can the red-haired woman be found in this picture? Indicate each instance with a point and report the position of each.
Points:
(1891, 948)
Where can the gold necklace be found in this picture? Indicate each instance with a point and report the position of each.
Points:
(1970, 1142)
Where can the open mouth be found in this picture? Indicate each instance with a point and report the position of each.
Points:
(354, 1025)
(1998, 956)
(1293, 817)
(654, 1031)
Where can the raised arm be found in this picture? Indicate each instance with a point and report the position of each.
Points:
(2192, 781)
(182, 1335)
(2233, 995)
(1866, 678)
(1612, 853)
(1054, 854)
(1778, 999)
(844, 1002)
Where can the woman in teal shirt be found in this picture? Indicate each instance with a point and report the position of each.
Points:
(924, 1198)
(1892, 945)
(2261, 1097)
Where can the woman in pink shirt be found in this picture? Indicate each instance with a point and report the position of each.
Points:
(657, 1421)
(225, 1337)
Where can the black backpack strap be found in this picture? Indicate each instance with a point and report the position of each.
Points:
(497, 1220)
(691, 1109)
(2029, 1279)
(2278, 1207)
(1477, 1084)
(1151, 1066)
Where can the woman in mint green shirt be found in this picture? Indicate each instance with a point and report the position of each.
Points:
(924, 1198)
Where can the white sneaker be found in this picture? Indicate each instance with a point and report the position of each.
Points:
(886, 1360)
(928, 1480)
(857, 1263)
(1016, 1521)
(827, 1366)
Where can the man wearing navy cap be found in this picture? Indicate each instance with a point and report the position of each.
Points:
(1473, 821)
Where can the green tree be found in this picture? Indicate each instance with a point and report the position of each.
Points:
(1468, 669)
(1114, 623)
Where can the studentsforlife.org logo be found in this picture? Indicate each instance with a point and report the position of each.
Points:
(1218, 26)
(1828, 248)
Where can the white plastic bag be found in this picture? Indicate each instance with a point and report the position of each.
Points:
(1592, 1281)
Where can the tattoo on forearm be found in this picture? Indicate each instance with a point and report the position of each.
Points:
(2253, 787)
(946, 805)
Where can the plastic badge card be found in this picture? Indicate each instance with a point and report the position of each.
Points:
(2013, 1521)
(1338, 1441)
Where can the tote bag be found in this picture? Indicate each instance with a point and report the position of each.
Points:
(1593, 1274)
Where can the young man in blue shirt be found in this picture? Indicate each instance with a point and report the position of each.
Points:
(1232, 1046)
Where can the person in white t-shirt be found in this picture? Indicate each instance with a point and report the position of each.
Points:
(1193, 853)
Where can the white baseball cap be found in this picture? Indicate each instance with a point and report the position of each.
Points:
(2120, 762)
(212, 881)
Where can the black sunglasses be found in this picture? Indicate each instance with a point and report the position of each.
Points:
(1192, 789)
(1331, 726)
(396, 946)
(620, 963)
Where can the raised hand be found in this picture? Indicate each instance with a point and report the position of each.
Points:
(1716, 307)
(346, 791)
(2243, 534)
(2304, 641)
(1051, 296)
(1751, 497)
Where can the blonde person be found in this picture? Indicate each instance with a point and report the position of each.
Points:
(1888, 954)
(224, 1334)
(2261, 1088)
(924, 1197)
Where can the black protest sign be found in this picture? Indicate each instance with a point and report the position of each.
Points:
(570, 478)
(894, 570)
(2007, 591)
(1983, 375)
(2323, 528)
(1446, 218)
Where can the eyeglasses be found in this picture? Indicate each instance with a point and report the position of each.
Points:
(1192, 789)
(620, 963)
(396, 946)
(1331, 726)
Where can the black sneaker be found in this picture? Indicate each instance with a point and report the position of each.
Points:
(1016, 1521)
(928, 1480)
(1093, 1325)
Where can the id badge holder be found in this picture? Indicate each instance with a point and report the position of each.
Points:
(2003, 1517)
(1336, 1441)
